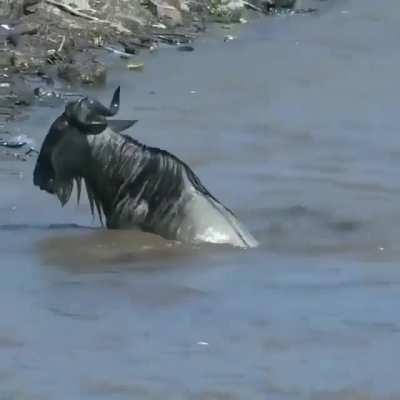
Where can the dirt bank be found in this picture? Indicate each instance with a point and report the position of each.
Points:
(44, 42)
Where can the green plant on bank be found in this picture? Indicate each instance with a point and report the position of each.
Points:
(216, 9)
(221, 13)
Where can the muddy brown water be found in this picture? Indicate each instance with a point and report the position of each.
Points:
(295, 126)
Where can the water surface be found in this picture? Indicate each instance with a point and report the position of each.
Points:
(295, 127)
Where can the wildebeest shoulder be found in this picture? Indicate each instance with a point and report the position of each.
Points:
(161, 176)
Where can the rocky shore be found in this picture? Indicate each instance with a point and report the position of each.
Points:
(48, 41)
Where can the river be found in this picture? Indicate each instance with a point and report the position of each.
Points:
(294, 126)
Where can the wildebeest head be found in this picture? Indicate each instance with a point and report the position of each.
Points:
(65, 151)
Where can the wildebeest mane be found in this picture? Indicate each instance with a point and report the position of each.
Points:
(193, 179)
(173, 188)
(157, 152)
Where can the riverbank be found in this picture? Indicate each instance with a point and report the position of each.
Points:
(52, 48)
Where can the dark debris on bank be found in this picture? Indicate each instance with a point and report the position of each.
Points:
(48, 41)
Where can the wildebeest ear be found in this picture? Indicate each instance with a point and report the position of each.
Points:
(95, 125)
(119, 125)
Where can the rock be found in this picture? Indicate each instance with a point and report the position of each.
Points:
(13, 36)
(48, 98)
(135, 67)
(42, 75)
(6, 155)
(132, 44)
(6, 58)
(171, 16)
(229, 38)
(23, 94)
(130, 49)
(30, 6)
(23, 61)
(159, 25)
(11, 10)
(96, 74)
(270, 6)
(69, 72)
(23, 99)
(226, 11)
(170, 12)
(153, 48)
(128, 14)
(12, 144)
(13, 39)
(122, 54)
(185, 48)
(26, 28)
(89, 72)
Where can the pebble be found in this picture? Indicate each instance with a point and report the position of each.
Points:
(229, 38)
(185, 48)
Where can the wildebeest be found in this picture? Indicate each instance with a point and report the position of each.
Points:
(132, 185)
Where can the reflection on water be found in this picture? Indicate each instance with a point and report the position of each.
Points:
(295, 127)
(107, 250)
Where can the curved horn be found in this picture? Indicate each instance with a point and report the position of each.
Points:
(114, 105)
(99, 108)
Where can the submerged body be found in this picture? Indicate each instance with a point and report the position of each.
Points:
(132, 185)
(160, 193)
